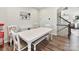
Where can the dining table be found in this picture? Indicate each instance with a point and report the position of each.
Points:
(32, 35)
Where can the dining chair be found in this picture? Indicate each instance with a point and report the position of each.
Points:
(16, 42)
(9, 28)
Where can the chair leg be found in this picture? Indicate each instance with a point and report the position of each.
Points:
(14, 48)
(51, 36)
(10, 42)
(19, 47)
(3, 44)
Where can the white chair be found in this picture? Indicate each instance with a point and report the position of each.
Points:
(16, 42)
(9, 28)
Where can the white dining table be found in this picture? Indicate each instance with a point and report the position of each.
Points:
(30, 36)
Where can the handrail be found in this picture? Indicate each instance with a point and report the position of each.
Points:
(69, 27)
(61, 25)
(65, 20)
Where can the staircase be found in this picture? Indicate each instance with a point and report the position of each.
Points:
(63, 27)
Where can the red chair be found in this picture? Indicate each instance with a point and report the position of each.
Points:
(2, 39)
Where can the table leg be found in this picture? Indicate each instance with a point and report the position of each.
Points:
(29, 46)
(34, 47)
(47, 37)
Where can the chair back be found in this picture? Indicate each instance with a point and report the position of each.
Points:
(12, 27)
(16, 41)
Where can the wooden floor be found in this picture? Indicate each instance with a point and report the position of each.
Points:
(57, 44)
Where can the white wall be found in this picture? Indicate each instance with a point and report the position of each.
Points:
(3, 18)
(10, 16)
(51, 12)
(13, 16)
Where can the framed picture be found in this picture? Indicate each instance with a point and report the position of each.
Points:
(25, 15)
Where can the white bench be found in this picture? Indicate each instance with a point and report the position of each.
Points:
(39, 40)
